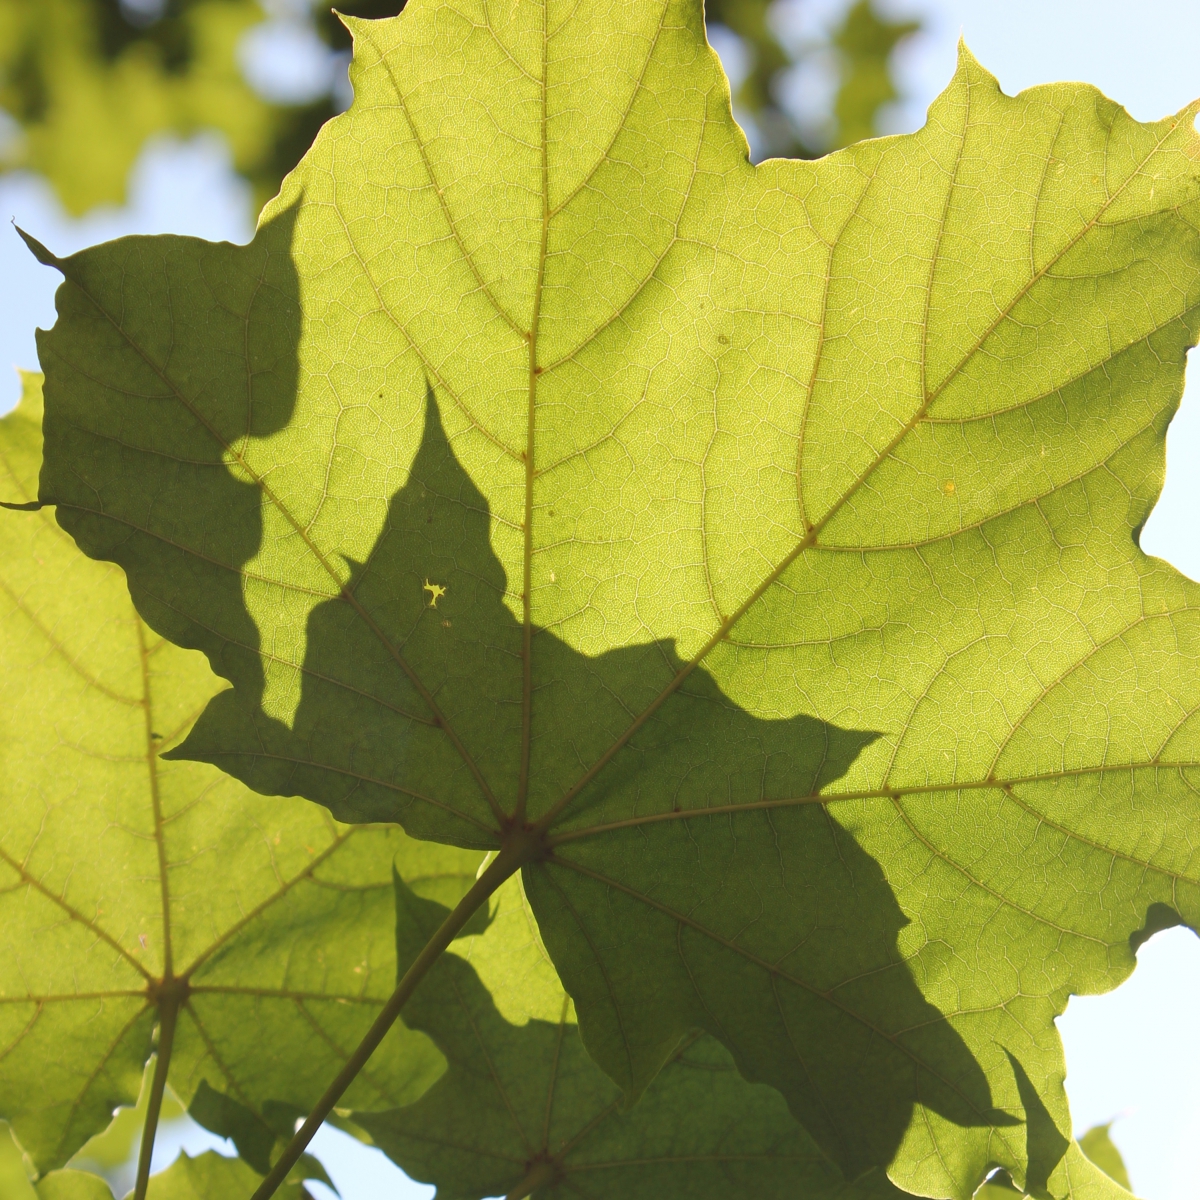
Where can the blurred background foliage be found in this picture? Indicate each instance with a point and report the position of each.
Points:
(85, 83)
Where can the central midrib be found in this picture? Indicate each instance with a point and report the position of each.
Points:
(152, 745)
(518, 816)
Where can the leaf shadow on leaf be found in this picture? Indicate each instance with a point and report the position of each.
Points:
(522, 1106)
(868, 1043)
(248, 292)
(1045, 1145)
(362, 742)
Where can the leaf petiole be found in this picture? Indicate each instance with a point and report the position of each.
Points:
(513, 855)
(543, 1173)
(170, 1000)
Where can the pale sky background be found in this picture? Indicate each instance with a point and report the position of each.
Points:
(1133, 1055)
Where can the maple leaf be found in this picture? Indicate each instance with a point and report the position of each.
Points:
(795, 622)
(130, 886)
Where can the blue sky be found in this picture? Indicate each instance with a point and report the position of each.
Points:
(1133, 1055)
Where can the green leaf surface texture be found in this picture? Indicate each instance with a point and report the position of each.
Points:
(766, 535)
(523, 1109)
(119, 872)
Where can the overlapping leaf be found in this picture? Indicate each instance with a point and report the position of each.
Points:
(770, 538)
(1098, 1145)
(209, 1176)
(120, 873)
(1094, 1149)
(522, 1109)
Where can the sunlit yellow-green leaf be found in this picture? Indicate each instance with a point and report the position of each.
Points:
(764, 537)
(14, 1179)
(73, 1185)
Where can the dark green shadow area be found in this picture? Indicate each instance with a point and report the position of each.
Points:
(525, 1102)
(1158, 917)
(788, 887)
(1045, 1144)
(129, 396)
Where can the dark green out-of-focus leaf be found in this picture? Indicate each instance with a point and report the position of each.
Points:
(89, 81)
(88, 86)
(749, 19)
(865, 43)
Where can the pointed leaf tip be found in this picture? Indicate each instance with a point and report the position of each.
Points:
(44, 256)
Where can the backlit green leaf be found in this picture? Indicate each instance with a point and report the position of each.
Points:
(14, 1179)
(210, 1176)
(767, 534)
(73, 1185)
(118, 871)
(522, 1109)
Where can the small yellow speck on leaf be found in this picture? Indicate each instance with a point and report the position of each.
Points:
(948, 487)
(435, 590)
